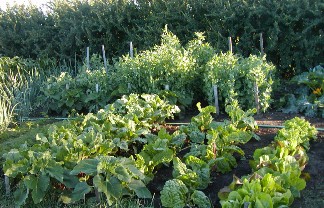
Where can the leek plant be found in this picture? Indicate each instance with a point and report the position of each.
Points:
(6, 113)
(20, 81)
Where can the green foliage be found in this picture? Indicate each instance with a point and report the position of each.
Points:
(297, 132)
(166, 64)
(265, 192)
(200, 199)
(87, 92)
(241, 119)
(174, 194)
(18, 88)
(95, 152)
(194, 173)
(276, 180)
(21, 81)
(308, 98)
(215, 143)
(236, 78)
(291, 29)
(157, 151)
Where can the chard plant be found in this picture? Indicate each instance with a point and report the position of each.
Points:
(212, 146)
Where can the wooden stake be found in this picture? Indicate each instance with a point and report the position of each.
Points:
(97, 195)
(129, 86)
(230, 46)
(104, 58)
(256, 95)
(7, 184)
(97, 88)
(216, 99)
(261, 45)
(166, 87)
(131, 50)
(88, 58)
(75, 64)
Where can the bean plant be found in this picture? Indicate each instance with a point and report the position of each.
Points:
(237, 77)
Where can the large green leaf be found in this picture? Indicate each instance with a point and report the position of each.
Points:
(80, 190)
(122, 174)
(162, 157)
(55, 170)
(140, 189)
(87, 166)
(69, 180)
(21, 194)
(38, 185)
(112, 188)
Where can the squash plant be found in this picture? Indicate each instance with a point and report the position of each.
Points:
(87, 92)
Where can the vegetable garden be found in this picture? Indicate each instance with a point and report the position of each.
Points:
(177, 124)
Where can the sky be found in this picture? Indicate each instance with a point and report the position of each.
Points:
(26, 2)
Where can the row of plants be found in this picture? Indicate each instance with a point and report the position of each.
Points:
(18, 79)
(183, 75)
(212, 146)
(116, 152)
(277, 176)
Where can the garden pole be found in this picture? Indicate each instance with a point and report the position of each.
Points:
(104, 58)
(75, 64)
(167, 87)
(129, 86)
(261, 45)
(7, 184)
(256, 96)
(97, 195)
(88, 58)
(216, 99)
(131, 50)
(230, 46)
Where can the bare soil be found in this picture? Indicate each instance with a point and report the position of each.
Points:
(311, 197)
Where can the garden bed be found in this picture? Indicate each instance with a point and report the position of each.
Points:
(311, 196)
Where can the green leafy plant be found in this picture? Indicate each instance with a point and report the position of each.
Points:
(176, 194)
(87, 92)
(236, 78)
(277, 178)
(309, 96)
(156, 152)
(95, 152)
